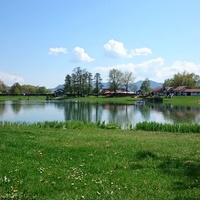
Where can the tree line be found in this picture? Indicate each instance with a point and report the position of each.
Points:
(16, 88)
(81, 82)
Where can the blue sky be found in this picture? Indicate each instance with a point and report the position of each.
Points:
(41, 41)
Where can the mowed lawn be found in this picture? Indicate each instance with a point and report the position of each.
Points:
(94, 163)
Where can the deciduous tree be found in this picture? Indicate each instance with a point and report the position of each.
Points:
(97, 83)
(115, 79)
(145, 86)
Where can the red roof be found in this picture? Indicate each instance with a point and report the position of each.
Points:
(158, 89)
(192, 90)
(179, 88)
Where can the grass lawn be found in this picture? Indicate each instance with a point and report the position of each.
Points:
(76, 162)
(21, 97)
(175, 100)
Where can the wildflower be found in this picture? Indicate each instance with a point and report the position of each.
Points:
(98, 193)
(40, 153)
(15, 191)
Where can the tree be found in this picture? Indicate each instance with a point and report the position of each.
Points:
(127, 80)
(79, 83)
(68, 84)
(15, 88)
(145, 86)
(190, 80)
(97, 83)
(89, 83)
(2, 87)
(78, 76)
(115, 79)
(41, 90)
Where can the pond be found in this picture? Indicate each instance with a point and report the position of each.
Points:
(38, 111)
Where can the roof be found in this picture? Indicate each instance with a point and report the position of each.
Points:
(192, 90)
(157, 89)
(168, 88)
(179, 88)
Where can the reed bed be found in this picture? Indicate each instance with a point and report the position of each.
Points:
(164, 127)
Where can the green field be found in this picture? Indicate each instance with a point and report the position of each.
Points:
(86, 161)
(176, 100)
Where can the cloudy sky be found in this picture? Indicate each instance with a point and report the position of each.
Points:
(41, 41)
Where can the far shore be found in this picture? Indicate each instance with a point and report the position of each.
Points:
(175, 100)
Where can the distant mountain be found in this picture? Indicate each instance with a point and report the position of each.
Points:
(138, 84)
(61, 86)
(153, 84)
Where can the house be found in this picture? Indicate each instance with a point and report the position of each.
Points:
(183, 90)
(59, 93)
(191, 92)
(179, 90)
(158, 91)
(168, 92)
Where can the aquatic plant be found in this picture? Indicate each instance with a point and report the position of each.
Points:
(164, 127)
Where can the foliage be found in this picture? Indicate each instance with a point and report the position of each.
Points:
(15, 89)
(127, 80)
(190, 80)
(2, 87)
(145, 86)
(79, 83)
(97, 83)
(174, 128)
(115, 79)
(18, 89)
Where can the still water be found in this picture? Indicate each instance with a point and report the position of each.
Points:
(38, 111)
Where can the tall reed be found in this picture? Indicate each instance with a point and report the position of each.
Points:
(174, 128)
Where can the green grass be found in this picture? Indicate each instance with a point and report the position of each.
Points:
(183, 101)
(104, 99)
(175, 100)
(174, 128)
(21, 97)
(77, 160)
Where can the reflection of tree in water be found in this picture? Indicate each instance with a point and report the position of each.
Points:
(58, 104)
(16, 107)
(82, 111)
(2, 107)
(119, 114)
(93, 112)
(178, 114)
(145, 112)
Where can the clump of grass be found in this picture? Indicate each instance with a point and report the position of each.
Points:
(60, 125)
(174, 128)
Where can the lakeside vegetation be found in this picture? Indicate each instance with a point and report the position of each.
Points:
(175, 100)
(78, 160)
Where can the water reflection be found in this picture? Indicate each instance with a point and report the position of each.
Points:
(35, 111)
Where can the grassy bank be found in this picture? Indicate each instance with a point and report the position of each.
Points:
(21, 97)
(176, 100)
(86, 161)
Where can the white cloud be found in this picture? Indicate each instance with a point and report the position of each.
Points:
(114, 48)
(81, 56)
(57, 50)
(177, 67)
(153, 69)
(10, 79)
(140, 71)
(141, 52)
